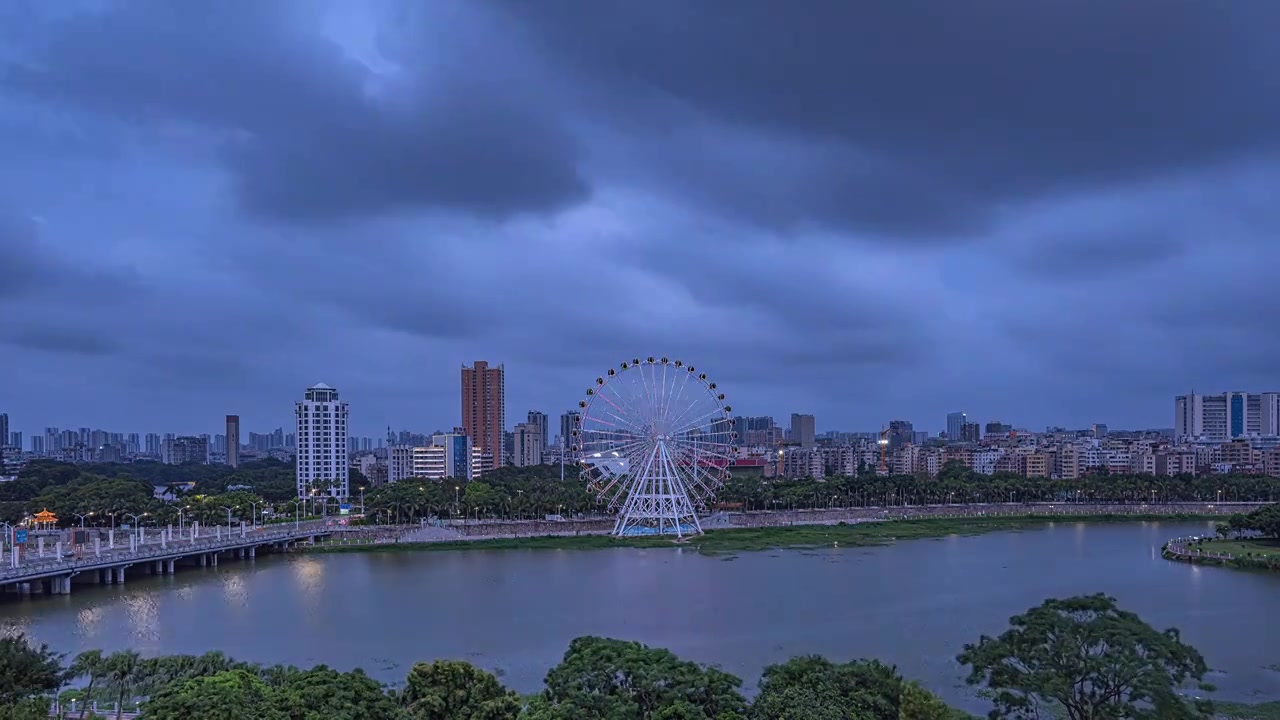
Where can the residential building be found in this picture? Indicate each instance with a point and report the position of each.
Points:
(1037, 465)
(399, 462)
(4, 429)
(803, 430)
(185, 449)
(322, 465)
(970, 432)
(759, 431)
(901, 433)
(540, 419)
(528, 443)
(568, 423)
(802, 462)
(484, 407)
(233, 440)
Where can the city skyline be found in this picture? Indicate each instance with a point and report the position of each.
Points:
(852, 236)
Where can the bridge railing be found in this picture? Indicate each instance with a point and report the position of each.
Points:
(1182, 546)
(150, 552)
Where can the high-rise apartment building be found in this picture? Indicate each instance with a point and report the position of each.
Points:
(15, 440)
(4, 429)
(540, 419)
(1226, 416)
(484, 407)
(901, 432)
(568, 422)
(955, 425)
(322, 467)
(803, 430)
(185, 449)
(233, 440)
(527, 444)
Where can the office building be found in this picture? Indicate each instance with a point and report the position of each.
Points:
(322, 465)
(484, 407)
(803, 430)
(233, 440)
(1226, 416)
(955, 425)
(527, 444)
(4, 429)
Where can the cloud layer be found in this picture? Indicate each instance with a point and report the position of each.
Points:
(1050, 216)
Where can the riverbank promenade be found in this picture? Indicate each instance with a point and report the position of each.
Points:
(52, 569)
(488, 529)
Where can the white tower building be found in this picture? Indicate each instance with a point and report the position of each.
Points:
(322, 444)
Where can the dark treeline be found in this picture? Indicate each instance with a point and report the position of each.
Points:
(1081, 658)
(125, 489)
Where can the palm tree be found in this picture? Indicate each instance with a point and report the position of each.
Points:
(88, 663)
(124, 671)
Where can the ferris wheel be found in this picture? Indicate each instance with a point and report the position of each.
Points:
(655, 441)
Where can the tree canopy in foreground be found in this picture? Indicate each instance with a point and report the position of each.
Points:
(1081, 658)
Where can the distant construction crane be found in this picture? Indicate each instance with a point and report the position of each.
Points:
(884, 446)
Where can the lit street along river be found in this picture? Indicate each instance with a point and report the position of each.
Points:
(913, 604)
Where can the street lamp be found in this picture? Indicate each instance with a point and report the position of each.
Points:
(229, 509)
(82, 517)
(253, 508)
(137, 520)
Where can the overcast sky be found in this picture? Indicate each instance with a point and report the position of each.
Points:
(1058, 212)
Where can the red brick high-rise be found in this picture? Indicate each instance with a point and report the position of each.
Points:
(484, 405)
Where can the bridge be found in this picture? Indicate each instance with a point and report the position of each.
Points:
(52, 570)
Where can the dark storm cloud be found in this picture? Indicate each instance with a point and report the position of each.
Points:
(850, 209)
(87, 341)
(1086, 256)
(30, 267)
(304, 134)
(951, 106)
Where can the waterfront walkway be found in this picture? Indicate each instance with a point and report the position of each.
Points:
(487, 529)
(53, 570)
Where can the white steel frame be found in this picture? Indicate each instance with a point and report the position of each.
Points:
(655, 441)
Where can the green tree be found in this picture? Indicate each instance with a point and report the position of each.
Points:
(92, 665)
(324, 694)
(231, 695)
(28, 673)
(814, 687)
(1089, 658)
(125, 672)
(456, 690)
(916, 703)
(603, 678)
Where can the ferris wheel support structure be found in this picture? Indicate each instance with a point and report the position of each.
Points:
(655, 441)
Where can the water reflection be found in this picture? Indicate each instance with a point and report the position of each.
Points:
(89, 620)
(142, 613)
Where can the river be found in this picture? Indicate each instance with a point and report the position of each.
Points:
(913, 603)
